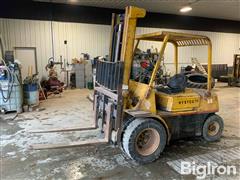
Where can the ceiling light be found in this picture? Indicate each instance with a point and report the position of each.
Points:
(73, 1)
(185, 9)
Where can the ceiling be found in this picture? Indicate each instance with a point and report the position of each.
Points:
(220, 9)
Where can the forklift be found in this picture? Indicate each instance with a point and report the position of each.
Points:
(142, 118)
(234, 79)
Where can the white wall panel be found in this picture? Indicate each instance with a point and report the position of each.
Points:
(224, 46)
(28, 33)
(94, 39)
(81, 38)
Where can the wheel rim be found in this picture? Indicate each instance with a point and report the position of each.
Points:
(147, 141)
(213, 128)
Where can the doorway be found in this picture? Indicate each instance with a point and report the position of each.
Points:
(28, 58)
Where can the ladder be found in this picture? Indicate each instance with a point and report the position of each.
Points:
(199, 66)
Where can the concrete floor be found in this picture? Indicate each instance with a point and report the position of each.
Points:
(99, 162)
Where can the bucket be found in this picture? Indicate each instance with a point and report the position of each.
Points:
(90, 85)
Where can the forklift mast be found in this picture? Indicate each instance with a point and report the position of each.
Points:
(112, 77)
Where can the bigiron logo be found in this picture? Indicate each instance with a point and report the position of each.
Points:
(202, 171)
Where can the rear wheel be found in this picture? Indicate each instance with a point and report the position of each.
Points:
(213, 128)
(144, 140)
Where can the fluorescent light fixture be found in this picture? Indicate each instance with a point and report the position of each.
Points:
(185, 9)
(73, 1)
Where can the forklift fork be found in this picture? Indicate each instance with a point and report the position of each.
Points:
(106, 129)
(76, 128)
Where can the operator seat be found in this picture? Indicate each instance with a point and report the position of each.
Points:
(176, 84)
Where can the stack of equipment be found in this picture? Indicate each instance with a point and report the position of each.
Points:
(10, 87)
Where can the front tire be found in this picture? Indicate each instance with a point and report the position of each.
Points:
(144, 140)
(213, 128)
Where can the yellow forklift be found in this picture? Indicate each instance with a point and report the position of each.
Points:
(142, 118)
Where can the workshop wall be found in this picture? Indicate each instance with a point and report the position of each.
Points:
(28, 33)
(94, 39)
(81, 38)
(224, 46)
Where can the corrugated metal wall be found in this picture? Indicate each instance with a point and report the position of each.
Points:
(94, 39)
(224, 46)
(81, 38)
(28, 33)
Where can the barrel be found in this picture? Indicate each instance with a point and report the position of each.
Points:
(31, 94)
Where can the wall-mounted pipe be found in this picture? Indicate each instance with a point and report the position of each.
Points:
(2, 47)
